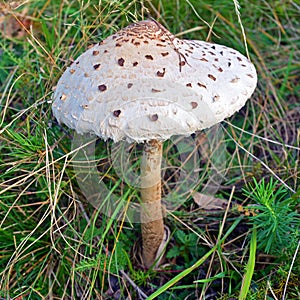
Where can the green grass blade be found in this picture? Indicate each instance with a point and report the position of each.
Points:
(249, 268)
(195, 265)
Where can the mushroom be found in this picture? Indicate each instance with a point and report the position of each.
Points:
(142, 84)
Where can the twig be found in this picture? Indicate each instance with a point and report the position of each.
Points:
(290, 271)
(141, 294)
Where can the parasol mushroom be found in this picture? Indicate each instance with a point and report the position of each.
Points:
(142, 84)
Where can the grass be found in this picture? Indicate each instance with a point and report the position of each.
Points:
(54, 244)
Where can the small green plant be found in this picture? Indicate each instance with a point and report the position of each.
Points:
(275, 217)
(185, 247)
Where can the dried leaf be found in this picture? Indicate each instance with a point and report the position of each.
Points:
(14, 24)
(208, 202)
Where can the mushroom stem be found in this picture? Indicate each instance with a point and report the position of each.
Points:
(152, 224)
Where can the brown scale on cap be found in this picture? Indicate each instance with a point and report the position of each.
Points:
(235, 80)
(161, 74)
(96, 67)
(201, 85)
(117, 113)
(121, 62)
(194, 104)
(212, 77)
(218, 68)
(216, 98)
(148, 56)
(155, 90)
(63, 97)
(102, 87)
(154, 117)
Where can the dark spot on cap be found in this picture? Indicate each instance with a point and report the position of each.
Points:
(63, 97)
(235, 80)
(160, 45)
(216, 98)
(243, 65)
(189, 85)
(146, 42)
(212, 53)
(137, 43)
(72, 71)
(203, 59)
(229, 64)
(102, 87)
(155, 90)
(95, 52)
(194, 104)
(182, 63)
(239, 59)
(116, 113)
(213, 47)
(105, 51)
(101, 43)
(118, 45)
(202, 85)
(221, 52)
(154, 117)
(96, 67)
(164, 53)
(212, 77)
(77, 62)
(250, 75)
(135, 63)
(161, 74)
(121, 62)
(148, 56)
(129, 85)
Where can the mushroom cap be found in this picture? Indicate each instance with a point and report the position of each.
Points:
(143, 83)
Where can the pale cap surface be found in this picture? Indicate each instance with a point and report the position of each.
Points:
(143, 83)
